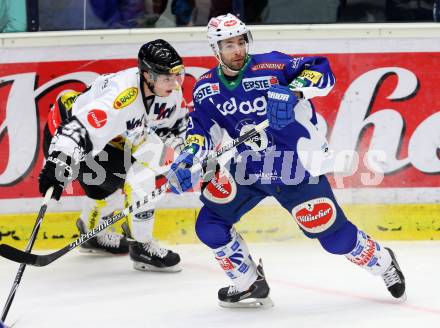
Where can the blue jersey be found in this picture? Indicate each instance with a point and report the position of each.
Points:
(222, 105)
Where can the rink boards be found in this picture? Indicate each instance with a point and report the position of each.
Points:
(263, 223)
(384, 103)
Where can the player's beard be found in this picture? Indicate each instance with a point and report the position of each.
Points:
(236, 63)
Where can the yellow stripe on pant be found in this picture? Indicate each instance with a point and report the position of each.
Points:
(264, 223)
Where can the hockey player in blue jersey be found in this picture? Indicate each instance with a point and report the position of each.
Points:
(242, 91)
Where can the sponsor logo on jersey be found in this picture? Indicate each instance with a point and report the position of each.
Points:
(259, 83)
(231, 22)
(299, 82)
(230, 107)
(97, 118)
(312, 76)
(125, 98)
(195, 139)
(268, 66)
(135, 123)
(316, 215)
(206, 90)
(222, 188)
(205, 76)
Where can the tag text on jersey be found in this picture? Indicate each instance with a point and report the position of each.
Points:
(125, 98)
(230, 107)
(206, 90)
(259, 83)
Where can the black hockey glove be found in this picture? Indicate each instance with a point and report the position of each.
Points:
(57, 173)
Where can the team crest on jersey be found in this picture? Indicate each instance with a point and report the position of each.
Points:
(125, 98)
(206, 90)
(97, 118)
(258, 142)
(268, 66)
(222, 189)
(316, 215)
(162, 111)
(135, 123)
(259, 83)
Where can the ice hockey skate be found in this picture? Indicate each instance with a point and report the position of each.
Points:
(107, 243)
(394, 279)
(151, 256)
(257, 296)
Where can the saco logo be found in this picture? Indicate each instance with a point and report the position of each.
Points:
(259, 83)
(97, 118)
(230, 107)
(206, 90)
(125, 98)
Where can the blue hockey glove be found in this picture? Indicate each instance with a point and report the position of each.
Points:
(280, 104)
(179, 176)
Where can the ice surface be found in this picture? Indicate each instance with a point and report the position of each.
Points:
(309, 287)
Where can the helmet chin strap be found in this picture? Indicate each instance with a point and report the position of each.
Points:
(226, 66)
(219, 58)
(149, 85)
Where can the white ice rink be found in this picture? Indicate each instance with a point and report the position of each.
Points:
(309, 288)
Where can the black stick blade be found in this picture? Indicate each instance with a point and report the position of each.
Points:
(16, 255)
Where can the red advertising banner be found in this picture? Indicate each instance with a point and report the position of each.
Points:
(387, 102)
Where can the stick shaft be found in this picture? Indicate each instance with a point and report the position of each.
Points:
(29, 246)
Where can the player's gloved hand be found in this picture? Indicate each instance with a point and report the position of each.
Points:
(57, 173)
(280, 104)
(180, 176)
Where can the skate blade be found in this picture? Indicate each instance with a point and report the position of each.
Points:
(147, 267)
(99, 252)
(402, 299)
(250, 303)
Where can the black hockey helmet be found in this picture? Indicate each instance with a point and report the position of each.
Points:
(159, 57)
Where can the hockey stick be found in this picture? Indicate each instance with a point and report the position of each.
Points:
(29, 246)
(17, 255)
